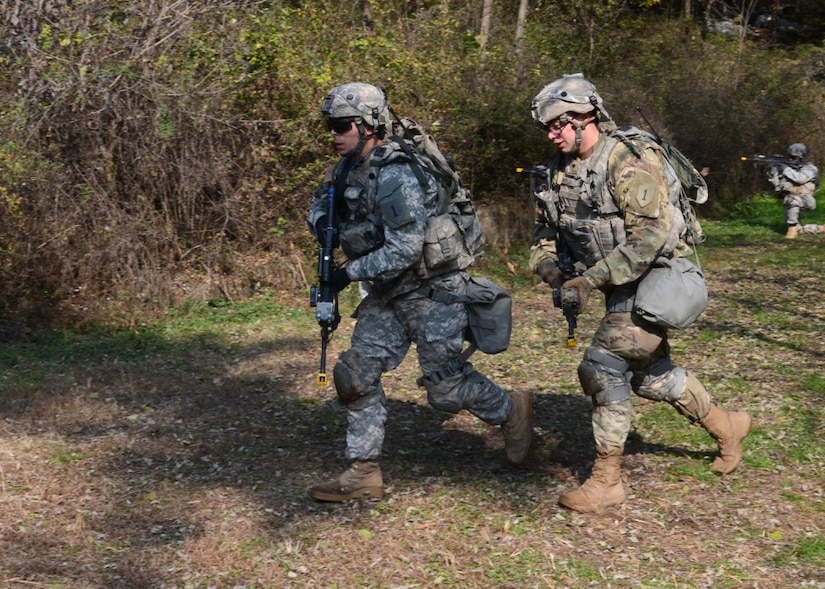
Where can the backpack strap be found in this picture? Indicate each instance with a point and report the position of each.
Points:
(416, 167)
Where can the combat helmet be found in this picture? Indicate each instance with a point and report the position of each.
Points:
(363, 102)
(570, 93)
(798, 150)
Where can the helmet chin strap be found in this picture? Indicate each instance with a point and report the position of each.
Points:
(362, 138)
(578, 126)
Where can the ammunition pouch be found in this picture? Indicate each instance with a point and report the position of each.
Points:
(451, 240)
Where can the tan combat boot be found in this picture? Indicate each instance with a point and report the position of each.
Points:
(728, 429)
(518, 429)
(603, 488)
(792, 231)
(361, 481)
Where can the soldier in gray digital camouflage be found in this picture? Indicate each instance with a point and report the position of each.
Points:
(604, 215)
(794, 182)
(381, 213)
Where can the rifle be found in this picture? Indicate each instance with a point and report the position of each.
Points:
(568, 303)
(565, 299)
(538, 178)
(323, 297)
(776, 160)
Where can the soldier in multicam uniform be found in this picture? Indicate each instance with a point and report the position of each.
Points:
(380, 226)
(795, 184)
(610, 210)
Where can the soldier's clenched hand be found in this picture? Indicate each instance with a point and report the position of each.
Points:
(339, 279)
(583, 288)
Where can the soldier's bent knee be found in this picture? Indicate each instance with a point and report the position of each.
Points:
(445, 392)
(342, 377)
(662, 381)
(355, 377)
(602, 375)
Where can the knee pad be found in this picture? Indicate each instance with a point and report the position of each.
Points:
(355, 377)
(661, 381)
(603, 376)
(344, 387)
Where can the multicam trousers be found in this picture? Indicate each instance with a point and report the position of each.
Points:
(642, 365)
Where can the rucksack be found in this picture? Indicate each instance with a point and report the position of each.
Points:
(687, 185)
(453, 238)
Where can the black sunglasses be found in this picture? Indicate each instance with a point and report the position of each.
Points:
(339, 126)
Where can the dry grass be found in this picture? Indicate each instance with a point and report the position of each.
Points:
(183, 461)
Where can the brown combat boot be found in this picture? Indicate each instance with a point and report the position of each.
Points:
(792, 231)
(728, 429)
(361, 481)
(518, 429)
(603, 488)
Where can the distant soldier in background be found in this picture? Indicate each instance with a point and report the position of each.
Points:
(795, 183)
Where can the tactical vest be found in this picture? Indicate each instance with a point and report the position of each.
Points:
(578, 201)
(360, 222)
(360, 230)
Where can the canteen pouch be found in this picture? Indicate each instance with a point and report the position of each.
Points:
(672, 293)
(490, 319)
(489, 314)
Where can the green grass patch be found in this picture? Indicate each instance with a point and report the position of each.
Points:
(809, 551)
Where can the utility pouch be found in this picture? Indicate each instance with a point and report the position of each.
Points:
(451, 241)
(490, 311)
(672, 293)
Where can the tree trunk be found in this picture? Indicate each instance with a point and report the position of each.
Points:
(486, 17)
(522, 16)
(366, 13)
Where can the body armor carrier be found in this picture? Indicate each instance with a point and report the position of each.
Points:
(578, 202)
(359, 227)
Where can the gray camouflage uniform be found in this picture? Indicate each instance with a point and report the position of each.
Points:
(796, 185)
(612, 212)
(381, 230)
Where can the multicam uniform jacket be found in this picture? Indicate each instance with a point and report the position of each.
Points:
(610, 210)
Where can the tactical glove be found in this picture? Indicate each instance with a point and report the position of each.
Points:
(339, 279)
(549, 273)
(582, 286)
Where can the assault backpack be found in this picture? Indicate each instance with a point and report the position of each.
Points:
(687, 185)
(453, 238)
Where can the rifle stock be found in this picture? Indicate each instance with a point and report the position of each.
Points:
(566, 300)
(324, 297)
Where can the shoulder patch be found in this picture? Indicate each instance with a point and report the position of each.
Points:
(643, 193)
(393, 205)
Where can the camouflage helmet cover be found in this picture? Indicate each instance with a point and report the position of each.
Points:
(570, 93)
(798, 150)
(358, 100)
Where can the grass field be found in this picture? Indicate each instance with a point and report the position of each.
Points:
(178, 454)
